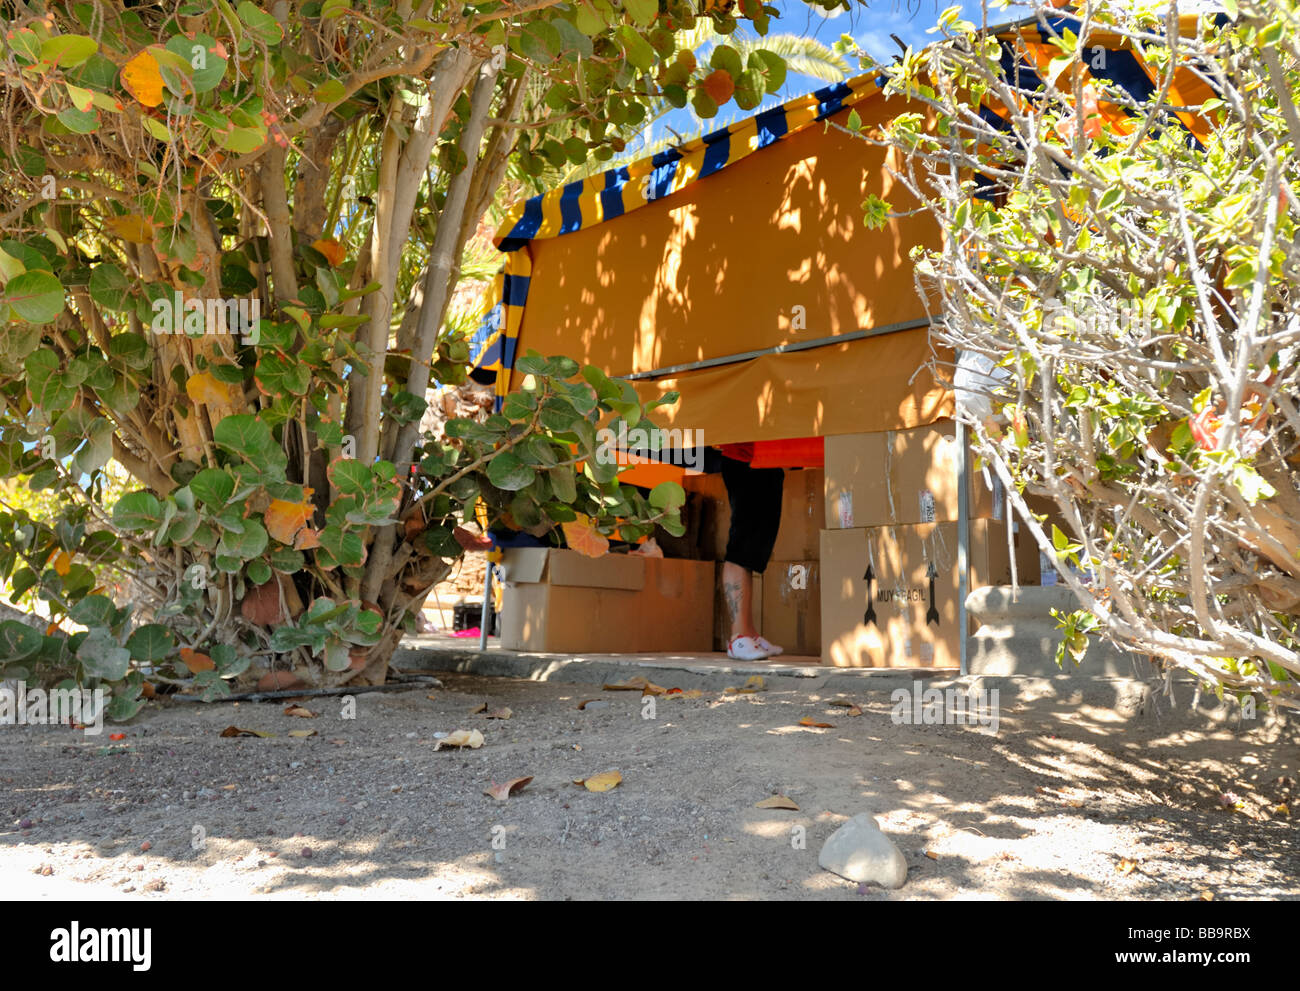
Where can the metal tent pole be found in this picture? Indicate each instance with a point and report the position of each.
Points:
(485, 614)
(963, 539)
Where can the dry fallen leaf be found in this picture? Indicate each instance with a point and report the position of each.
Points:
(1126, 867)
(504, 791)
(1207, 895)
(1074, 803)
(300, 712)
(754, 683)
(1283, 810)
(503, 713)
(777, 802)
(810, 721)
(690, 693)
(337, 742)
(481, 707)
(302, 734)
(237, 731)
(471, 738)
(635, 685)
(432, 698)
(600, 782)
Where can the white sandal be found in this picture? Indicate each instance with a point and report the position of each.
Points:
(772, 649)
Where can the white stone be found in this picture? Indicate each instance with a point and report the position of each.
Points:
(859, 851)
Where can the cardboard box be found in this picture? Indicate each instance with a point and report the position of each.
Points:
(889, 594)
(560, 601)
(902, 477)
(803, 515)
(792, 607)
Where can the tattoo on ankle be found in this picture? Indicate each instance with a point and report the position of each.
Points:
(731, 591)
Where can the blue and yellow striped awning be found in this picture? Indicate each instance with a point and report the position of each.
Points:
(616, 192)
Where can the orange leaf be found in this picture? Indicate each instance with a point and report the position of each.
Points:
(504, 791)
(584, 538)
(809, 721)
(719, 85)
(142, 79)
(307, 538)
(195, 661)
(204, 389)
(62, 563)
(333, 251)
(284, 519)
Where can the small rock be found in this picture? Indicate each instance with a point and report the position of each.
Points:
(25, 824)
(295, 764)
(207, 793)
(859, 851)
(597, 704)
(306, 853)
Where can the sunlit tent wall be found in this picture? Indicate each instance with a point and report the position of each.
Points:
(751, 241)
(736, 270)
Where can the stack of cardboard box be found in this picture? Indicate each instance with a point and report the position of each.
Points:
(889, 555)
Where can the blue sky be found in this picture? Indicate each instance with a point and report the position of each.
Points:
(870, 26)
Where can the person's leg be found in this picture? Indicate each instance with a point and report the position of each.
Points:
(738, 591)
(755, 498)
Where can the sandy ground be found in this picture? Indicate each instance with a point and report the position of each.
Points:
(1065, 802)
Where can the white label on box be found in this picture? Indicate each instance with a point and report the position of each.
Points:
(927, 506)
(846, 510)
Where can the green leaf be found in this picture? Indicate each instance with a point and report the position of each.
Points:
(137, 511)
(67, 50)
(93, 610)
(350, 477)
(151, 642)
(643, 11)
(37, 297)
(667, 496)
(102, 657)
(262, 24)
(507, 472)
(18, 641)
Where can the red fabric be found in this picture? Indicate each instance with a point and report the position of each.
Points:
(737, 452)
(805, 452)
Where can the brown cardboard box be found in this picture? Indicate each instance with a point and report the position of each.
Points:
(803, 515)
(882, 607)
(792, 607)
(559, 601)
(902, 477)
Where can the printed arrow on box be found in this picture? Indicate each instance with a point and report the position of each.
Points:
(932, 614)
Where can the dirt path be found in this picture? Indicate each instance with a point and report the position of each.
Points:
(1073, 805)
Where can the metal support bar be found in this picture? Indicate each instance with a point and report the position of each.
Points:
(963, 539)
(485, 614)
(820, 342)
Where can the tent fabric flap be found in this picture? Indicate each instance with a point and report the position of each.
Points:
(867, 385)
